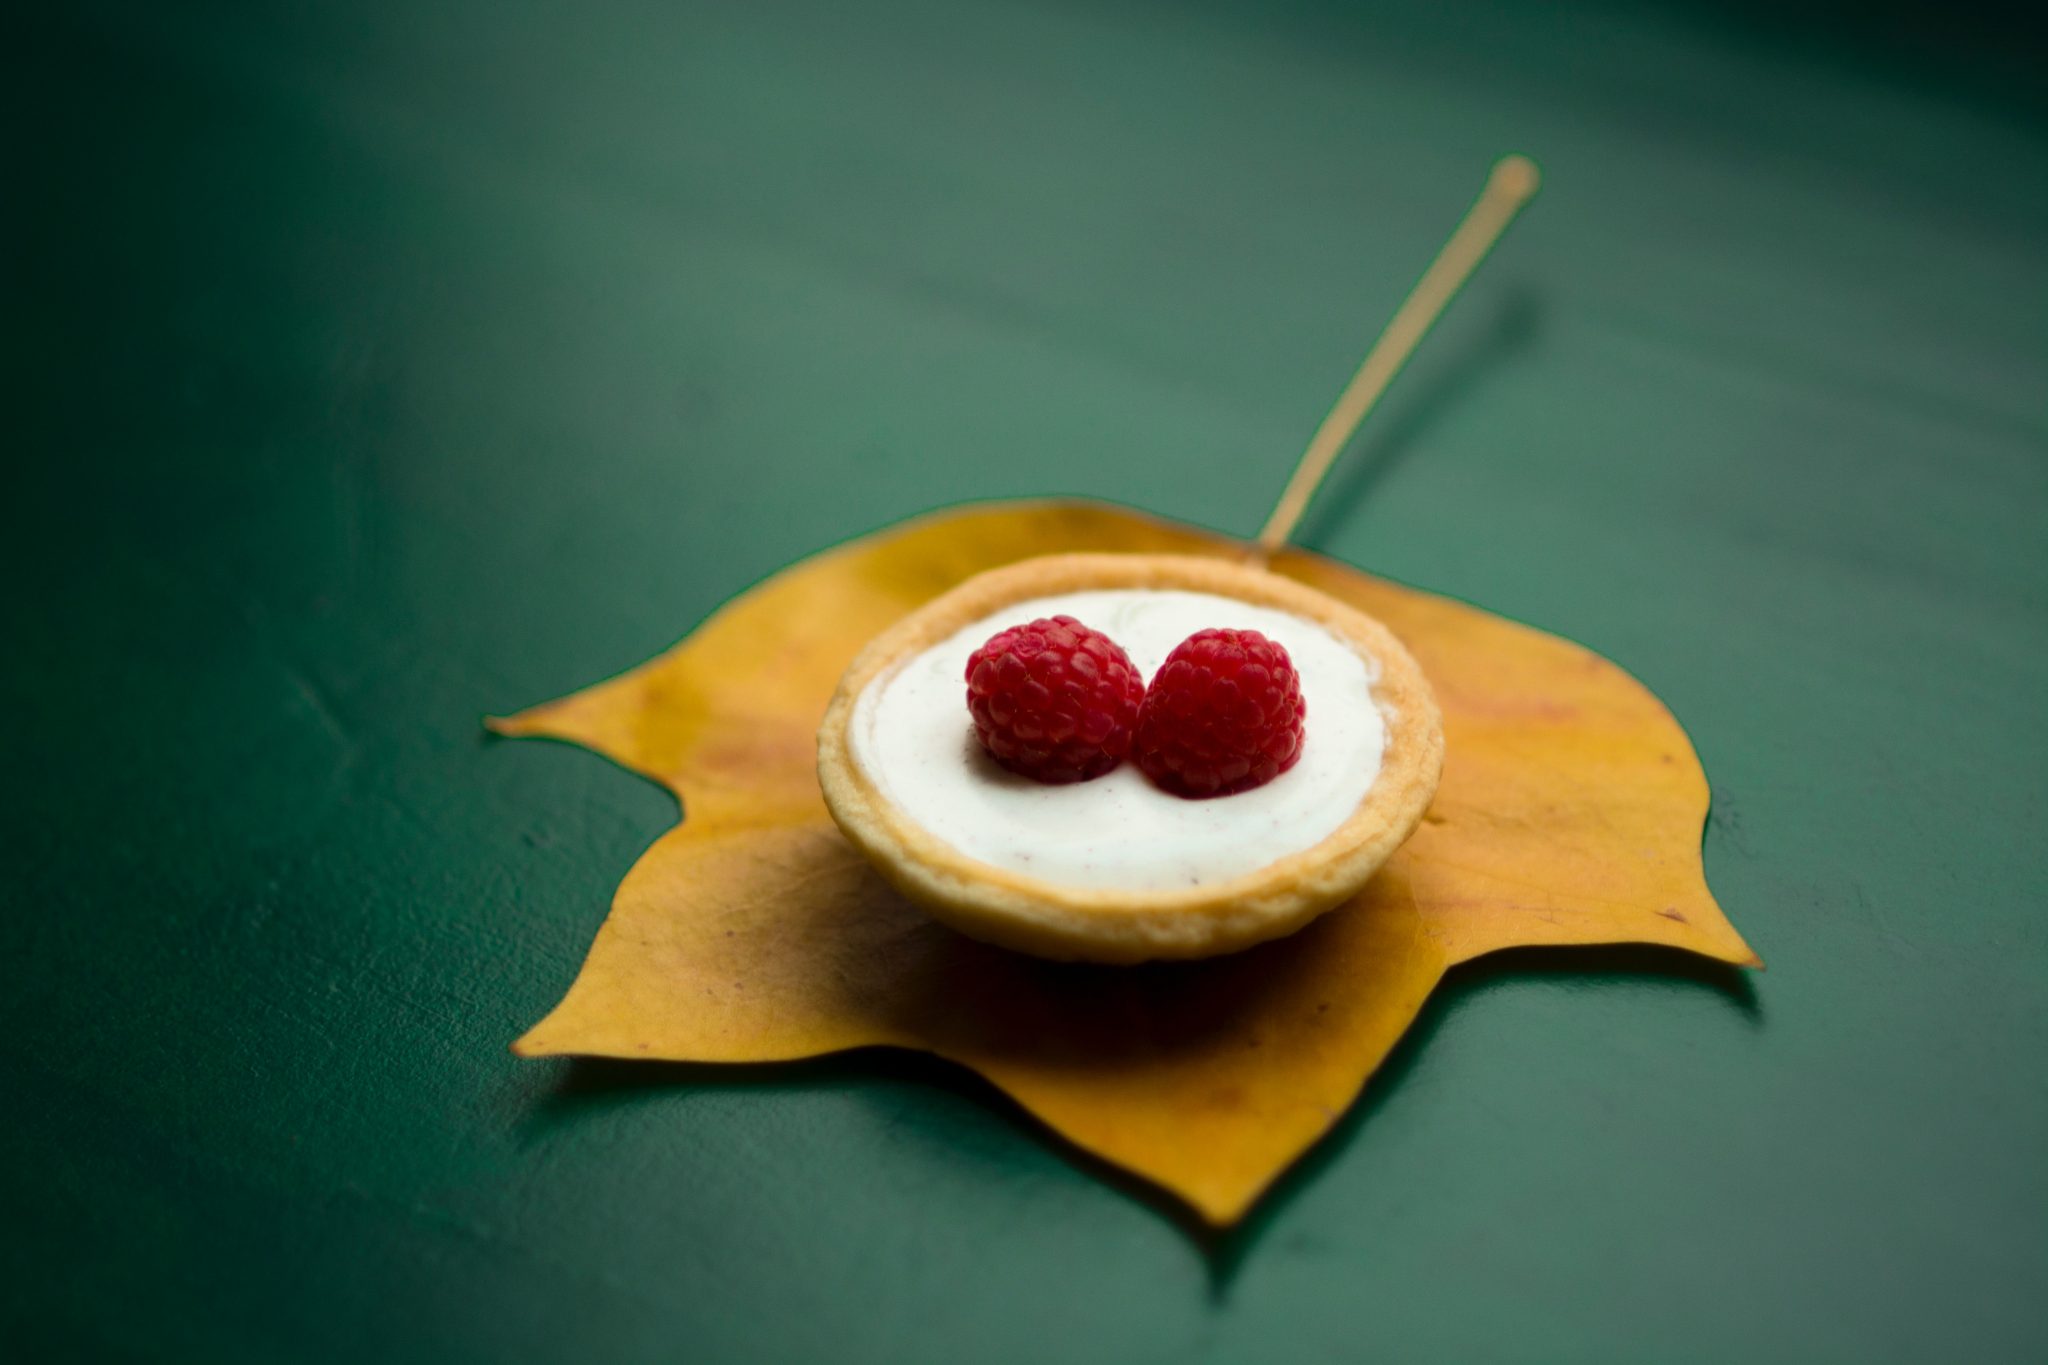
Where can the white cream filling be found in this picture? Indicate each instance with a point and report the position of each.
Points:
(912, 736)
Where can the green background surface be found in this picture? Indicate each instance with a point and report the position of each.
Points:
(373, 367)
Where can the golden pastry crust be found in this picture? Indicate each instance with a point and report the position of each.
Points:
(1096, 924)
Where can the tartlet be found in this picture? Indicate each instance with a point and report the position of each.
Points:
(1065, 921)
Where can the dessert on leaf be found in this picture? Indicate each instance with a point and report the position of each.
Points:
(1282, 746)
(1088, 733)
(984, 834)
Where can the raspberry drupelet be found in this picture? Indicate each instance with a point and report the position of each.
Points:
(1054, 700)
(1224, 714)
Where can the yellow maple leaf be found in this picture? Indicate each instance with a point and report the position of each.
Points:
(1570, 812)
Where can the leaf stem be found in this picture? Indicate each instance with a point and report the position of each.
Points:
(1512, 184)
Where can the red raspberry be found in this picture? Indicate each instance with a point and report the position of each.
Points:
(1223, 715)
(1054, 700)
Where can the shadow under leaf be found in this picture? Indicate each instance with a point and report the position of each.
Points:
(582, 1086)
